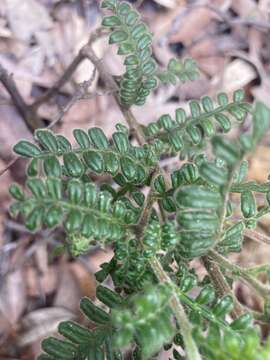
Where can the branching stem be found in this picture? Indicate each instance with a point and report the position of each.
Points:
(241, 273)
(191, 348)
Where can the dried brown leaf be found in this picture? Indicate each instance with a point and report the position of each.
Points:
(13, 296)
(41, 323)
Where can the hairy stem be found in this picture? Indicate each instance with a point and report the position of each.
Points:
(254, 270)
(241, 273)
(221, 285)
(179, 312)
(257, 236)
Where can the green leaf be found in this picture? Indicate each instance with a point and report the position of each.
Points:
(93, 312)
(59, 348)
(54, 187)
(125, 48)
(73, 221)
(108, 297)
(189, 173)
(226, 150)
(159, 184)
(198, 197)
(223, 306)
(206, 295)
(242, 322)
(248, 204)
(111, 21)
(232, 238)
(75, 332)
(53, 216)
(52, 166)
(16, 192)
(94, 161)
(123, 8)
(37, 187)
(194, 134)
(63, 143)
(47, 139)
(111, 161)
(118, 36)
(32, 168)
(26, 149)
(195, 243)
(98, 138)
(82, 138)
(223, 121)
(75, 191)
(131, 60)
(90, 195)
(149, 319)
(198, 220)
(121, 142)
(73, 165)
(144, 41)
(261, 121)
(128, 169)
(184, 71)
(108, 4)
(34, 219)
(213, 174)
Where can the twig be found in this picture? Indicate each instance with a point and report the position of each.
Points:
(80, 92)
(6, 168)
(29, 115)
(111, 84)
(69, 70)
(60, 83)
(29, 112)
(259, 24)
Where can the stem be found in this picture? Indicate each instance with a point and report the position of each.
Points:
(191, 348)
(190, 121)
(254, 235)
(226, 194)
(162, 276)
(241, 273)
(111, 83)
(221, 285)
(179, 312)
(254, 270)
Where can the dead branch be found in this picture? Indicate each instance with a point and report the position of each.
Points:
(31, 118)
(79, 94)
